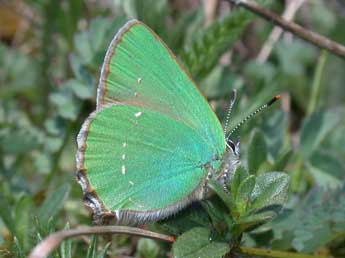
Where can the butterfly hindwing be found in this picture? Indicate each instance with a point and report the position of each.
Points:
(144, 162)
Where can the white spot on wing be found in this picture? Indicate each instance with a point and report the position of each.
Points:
(138, 114)
(123, 169)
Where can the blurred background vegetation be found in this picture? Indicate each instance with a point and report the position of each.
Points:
(50, 58)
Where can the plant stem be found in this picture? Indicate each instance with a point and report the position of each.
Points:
(307, 35)
(317, 82)
(44, 248)
(275, 254)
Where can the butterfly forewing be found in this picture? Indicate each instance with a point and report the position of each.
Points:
(141, 71)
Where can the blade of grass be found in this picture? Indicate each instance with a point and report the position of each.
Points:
(317, 82)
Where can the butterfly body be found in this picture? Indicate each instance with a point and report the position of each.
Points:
(153, 142)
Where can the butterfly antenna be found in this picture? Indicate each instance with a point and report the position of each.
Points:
(232, 102)
(269, 103)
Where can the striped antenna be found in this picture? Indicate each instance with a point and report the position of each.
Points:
(269, 103)
(232, 102)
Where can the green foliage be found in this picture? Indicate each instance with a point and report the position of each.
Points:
(48, 77)
(251, 201)
(198, 243)
(204, 52)
(318, 220)
(53, 203)
(148, 248)
(257, 151)
(24, 219)
(314, 130)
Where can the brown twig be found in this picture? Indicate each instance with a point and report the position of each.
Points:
(210, 8)
(274, 254)
(310, 36)
(44, 248)
(289, 13)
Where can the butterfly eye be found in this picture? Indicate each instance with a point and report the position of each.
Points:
(232, 145)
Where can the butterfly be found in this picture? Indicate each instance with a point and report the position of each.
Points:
(153, 142)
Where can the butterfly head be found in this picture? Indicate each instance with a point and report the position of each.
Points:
(234, 146)
(232, 154)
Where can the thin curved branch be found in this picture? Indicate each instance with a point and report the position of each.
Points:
(44, 248)
(289, 13)
(274, 254)
(307, 35)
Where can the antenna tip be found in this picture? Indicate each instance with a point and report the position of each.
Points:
(274, 99)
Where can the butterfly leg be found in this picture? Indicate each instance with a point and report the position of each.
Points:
(231, 161)
(210, 174)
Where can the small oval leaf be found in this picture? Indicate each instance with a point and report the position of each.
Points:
(270, 188)
(243, 197)
(197, 242)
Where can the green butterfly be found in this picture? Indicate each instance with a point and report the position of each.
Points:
(153, 142)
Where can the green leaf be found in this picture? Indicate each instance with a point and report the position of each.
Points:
(6, 214)
(42, 162)
(148, 248)
(92, 250)
(151, 12)
(326, 169)
(179, 33)
(292, 57)
(282, 161)
(20, 140)
(53, 203)
(15, 65)
(66, 246)
(314, 221)
(104, 251)
(260, 72)
(22, 219)
(66, 104)
(187, 219)
(18, 249)
(80, 89)
(79, 69)
(197, 243)
(218, 189)
(255, 219)
(219, 83)
(204, 52)
(236, 179)
(270, 188)
(274, 125)
(83, 47)
(244, 192)
(315, 129)
(215, 211)
(257, 151)
(98, 33)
